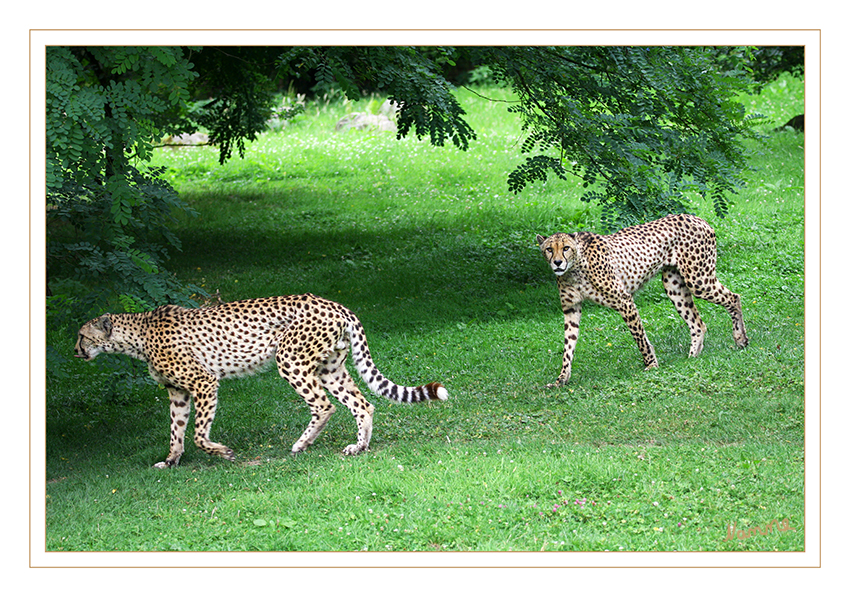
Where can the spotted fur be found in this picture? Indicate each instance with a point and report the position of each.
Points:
(190, 350)
(608, 270)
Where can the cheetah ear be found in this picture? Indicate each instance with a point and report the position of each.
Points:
(104, 323)
(539, 238)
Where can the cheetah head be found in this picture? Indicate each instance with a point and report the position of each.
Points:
(93, 338)
(560, 251)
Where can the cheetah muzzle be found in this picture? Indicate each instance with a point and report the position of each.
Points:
(190, 351)
(609, 269)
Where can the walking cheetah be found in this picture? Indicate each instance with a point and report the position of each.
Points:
(190, 350)
(609, 269)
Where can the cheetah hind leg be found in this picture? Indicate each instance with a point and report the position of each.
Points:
(336, 380)
(718, 294)
(738, 330)
(628, 311)
(321, 410)
(309, 387)
(362, 410)
(300, 367)
(682, 298)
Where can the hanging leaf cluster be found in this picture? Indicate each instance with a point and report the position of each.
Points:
(642, 127)
(238, 85)
(411, 77)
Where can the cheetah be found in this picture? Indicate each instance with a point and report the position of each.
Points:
(609, 269)
(189, 351)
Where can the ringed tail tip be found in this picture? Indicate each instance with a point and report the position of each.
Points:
(436, 391)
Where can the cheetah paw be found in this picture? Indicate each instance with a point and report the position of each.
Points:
(353, 449)
(167, 464)
(559, 383)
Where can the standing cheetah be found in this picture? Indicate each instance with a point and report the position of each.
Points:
(609, 269)
(190, 350)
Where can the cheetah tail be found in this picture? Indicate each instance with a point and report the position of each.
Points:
(379, 384)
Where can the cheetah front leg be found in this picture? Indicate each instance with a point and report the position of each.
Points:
(205, 394)
(180, 408)
(572, 318)
(628, 311)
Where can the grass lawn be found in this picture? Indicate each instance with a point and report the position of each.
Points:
(439, 261)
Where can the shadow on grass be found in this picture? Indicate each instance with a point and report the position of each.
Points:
(451, 274)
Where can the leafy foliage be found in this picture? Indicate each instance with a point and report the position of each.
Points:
(642, 127)
(767, 63)
(109, 216)
(239, 83)
(413, 78)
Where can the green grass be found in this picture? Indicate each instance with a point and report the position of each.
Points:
(436, 257)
